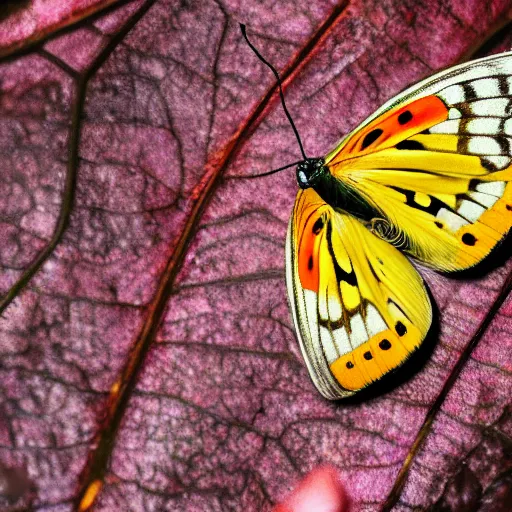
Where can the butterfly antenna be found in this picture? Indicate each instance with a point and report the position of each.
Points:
(273, 171)
(276, 74)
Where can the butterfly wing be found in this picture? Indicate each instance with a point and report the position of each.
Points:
(435, 164)
(359, 306)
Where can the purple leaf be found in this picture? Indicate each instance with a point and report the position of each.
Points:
(25, 22)
(148, 360)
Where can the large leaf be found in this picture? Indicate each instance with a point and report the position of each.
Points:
(148, 361)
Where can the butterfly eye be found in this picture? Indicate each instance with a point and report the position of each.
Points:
(310, 172)
(302, 179)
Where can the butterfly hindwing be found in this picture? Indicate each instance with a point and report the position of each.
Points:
(359, 306)
(435, 163)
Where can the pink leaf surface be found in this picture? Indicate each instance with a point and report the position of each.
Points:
(25, 22)
(148, 360)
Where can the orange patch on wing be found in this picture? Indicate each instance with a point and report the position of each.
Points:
(499, 216)
(371, 360)
(308, 252)
(394, 126)
(476, 242)
(478, 239)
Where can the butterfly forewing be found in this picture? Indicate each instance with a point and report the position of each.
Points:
(359, 307)
(435, 163)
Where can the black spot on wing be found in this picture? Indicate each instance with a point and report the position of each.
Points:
(371, 138)
(400, 329)
(468, 239)
(404, 117)
(410, 144)
(318, 225)
(385, 344)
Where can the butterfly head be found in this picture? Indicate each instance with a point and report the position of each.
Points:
(310, 172)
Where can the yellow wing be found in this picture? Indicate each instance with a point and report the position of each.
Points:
(359, 307)
(435, 165)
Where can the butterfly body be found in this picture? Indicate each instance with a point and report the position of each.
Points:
(314, 173)
(428, 175)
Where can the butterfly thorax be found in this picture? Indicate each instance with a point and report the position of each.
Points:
(314, 173)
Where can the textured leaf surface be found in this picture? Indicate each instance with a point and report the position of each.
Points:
(148, 361)
(25, 22)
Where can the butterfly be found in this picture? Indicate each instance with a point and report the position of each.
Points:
(427, 176)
